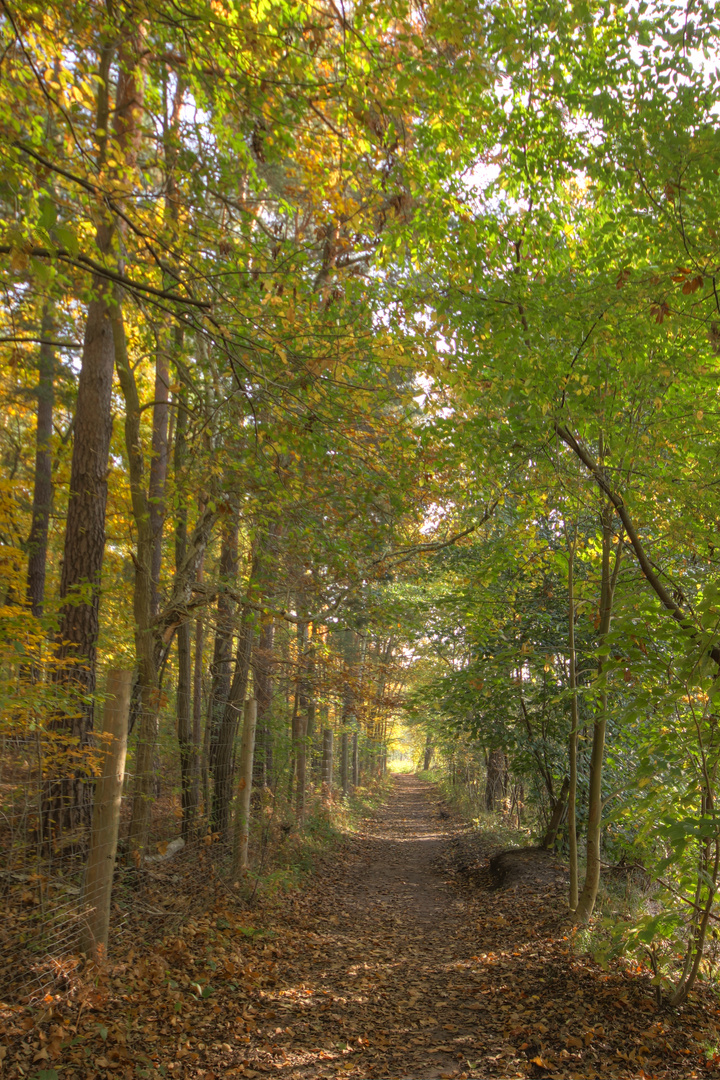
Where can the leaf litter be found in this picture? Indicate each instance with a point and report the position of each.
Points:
(401, 958)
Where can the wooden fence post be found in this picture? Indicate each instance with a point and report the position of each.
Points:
(242, 814)
(327, 759)
(344, 762)
(106, 818)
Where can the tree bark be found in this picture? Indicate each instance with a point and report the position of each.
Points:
(97, 891)
(197, 706)
(158, 468)
(43, 485)
(588, 896)
(495, 779)
(573, 737)
(355, 760)
(242, 818)
(184, 701)
(221, 667)
(344, 761)
(548, 840)
(68, 801)
(222, 763)
(327, 760)
(146, 644)
(428, 752)
(262, 675)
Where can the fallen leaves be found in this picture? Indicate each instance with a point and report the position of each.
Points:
(378, 969)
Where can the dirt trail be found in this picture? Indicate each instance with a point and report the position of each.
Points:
(390, 953)
(389, 969)
(399, 960)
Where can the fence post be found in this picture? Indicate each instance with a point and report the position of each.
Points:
(344, 763)
(327, 759)
(242, 814)
(106, 818)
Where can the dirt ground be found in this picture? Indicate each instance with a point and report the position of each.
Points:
(421, 976)
(405, 957)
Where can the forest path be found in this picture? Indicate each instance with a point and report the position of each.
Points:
(389, 953)
(387, 968)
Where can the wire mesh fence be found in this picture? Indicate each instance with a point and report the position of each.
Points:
(185, 862)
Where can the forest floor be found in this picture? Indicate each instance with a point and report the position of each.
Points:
(399, 958)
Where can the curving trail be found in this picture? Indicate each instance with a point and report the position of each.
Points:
(388, 968)
(399, 961)
(390, 953)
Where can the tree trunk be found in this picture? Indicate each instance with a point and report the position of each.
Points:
(43, 485)
(573, 737)
(548, 841)
(242, 812)
(344, 761)
(184, 704)
(327, 762)
(158, 465)
(494, 782)
(69, 799)
(197, 707)
(262, 675)
(300, 766)
(355, 760)
(68, 803)
(97, 889)
(221, 667)
(221, 769)
(428, 752)
(588, 896)
(145, 636)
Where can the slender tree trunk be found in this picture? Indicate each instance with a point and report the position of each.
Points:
(242, 812)
(222, 765)
(573, 737)
(97, 890)
(494, 780)
(146, 645)
(197, 706)
(355, 760)
(300, 766)
(161, 399)
(344, 762)
(184, 705)
(221, 667)
(428, 752)
(158, 467)
(43, 486)
(262, 675)
(548, 841)
(588, 896)
(300, 720)
(327, 764)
